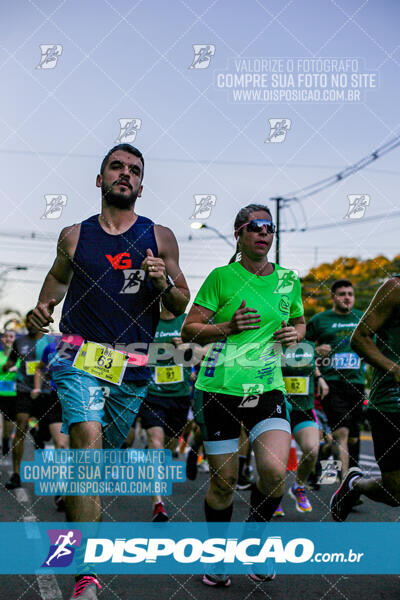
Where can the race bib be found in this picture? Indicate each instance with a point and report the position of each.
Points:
(346, 360)
(172, 374)
(101, 362)
(30, 366)
(297, 386)
(8, 386)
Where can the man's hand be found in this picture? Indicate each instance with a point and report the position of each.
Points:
(287, 335)
(244, 318)
(395, 372)
(41, 315)
(323, 350)
(323, 388)
(155, 269)
(35, 393)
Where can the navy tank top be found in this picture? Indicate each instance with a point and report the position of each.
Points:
(109, 299)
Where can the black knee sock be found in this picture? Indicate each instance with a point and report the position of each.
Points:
(6, 446)
(215, 516)
(262, 507)
(354, 454)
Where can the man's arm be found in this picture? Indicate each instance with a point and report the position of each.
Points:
(178, 297)
(386, 299)
(57, 280)
(313, 335)
(37, 379)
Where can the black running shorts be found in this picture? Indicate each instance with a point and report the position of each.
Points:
(385, 429)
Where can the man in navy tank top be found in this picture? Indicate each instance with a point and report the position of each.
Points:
(113, 268)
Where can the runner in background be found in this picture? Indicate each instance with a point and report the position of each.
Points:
(27, 349)
(298, 366)
(196, 448)
(165, 409)
(341, 369)
(377, 340)
(8, 390)
(52, 419)
(325, 432)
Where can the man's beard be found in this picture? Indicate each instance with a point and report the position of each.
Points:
(118, 200)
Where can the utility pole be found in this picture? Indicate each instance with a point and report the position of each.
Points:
(277, 234)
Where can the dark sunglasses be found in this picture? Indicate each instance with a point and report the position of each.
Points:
(256, 225)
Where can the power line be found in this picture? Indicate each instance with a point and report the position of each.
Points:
(315, 188)
(394, 214)
(323, 184)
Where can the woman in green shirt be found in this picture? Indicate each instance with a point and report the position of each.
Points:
(255, 306)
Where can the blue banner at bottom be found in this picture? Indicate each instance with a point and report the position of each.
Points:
(177, 548)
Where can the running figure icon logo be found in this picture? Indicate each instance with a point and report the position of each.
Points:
(202, 56)
(54, 206)
(128, 130)
(251, 394)
(278, 129)
(203, 205)
(357, 206)
(62, 547)
(133, 279)
(97, 396)
(286, 280)
(50, 55)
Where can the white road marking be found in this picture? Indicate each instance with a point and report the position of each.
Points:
(48, 587)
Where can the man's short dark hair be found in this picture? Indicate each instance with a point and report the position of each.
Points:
(125, 148)
(340, 283)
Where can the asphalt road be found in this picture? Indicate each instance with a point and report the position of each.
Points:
(186, 504)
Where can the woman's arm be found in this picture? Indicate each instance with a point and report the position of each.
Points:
(197, 327)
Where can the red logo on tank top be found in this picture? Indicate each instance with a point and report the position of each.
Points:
(120, 261)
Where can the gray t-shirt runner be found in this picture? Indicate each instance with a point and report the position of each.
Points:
(29, 351)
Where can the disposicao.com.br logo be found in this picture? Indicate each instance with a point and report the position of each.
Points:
(190, 548)
(62, 547)
(248, 551)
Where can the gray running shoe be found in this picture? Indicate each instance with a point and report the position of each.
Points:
(217, 580)
(85, 588)
(263, 577)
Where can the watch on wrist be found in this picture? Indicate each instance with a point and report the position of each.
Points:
(170, 285)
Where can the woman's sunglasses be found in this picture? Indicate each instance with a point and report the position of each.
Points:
(256, 225)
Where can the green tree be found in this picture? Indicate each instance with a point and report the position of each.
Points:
(365, 275)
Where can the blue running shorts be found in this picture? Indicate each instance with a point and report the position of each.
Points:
(84, 397)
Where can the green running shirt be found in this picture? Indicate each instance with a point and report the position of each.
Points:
(298, 366)
(250, 361)
(168, 376)
(8, 381)
(342, 364)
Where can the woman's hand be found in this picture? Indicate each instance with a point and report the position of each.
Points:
(244, 318)
(287, 335)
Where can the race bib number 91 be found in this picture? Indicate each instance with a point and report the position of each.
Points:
(173, 374)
